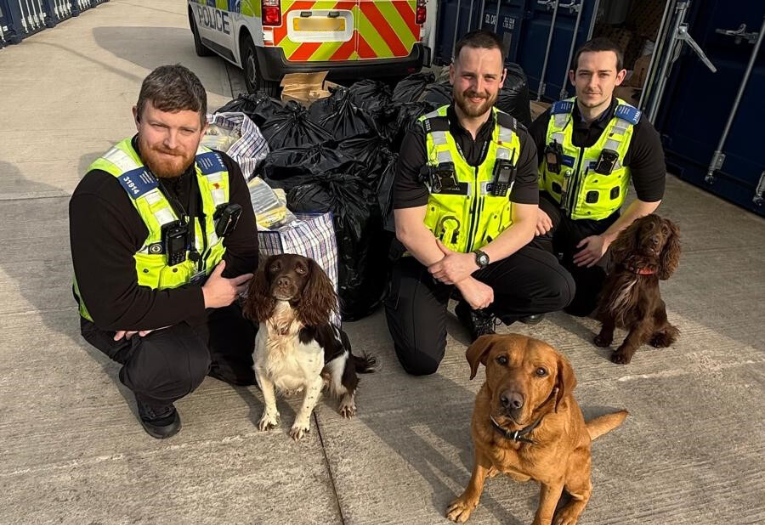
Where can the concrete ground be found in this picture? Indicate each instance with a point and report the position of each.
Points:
(691, 451)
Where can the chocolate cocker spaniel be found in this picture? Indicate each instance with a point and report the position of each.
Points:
(644, 254)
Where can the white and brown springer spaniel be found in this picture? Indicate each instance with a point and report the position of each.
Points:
(297, 348)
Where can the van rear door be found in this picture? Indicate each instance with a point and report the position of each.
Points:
(387, 28)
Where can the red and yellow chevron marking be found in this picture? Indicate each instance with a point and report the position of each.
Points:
(384, 29)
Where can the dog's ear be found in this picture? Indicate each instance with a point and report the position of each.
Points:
(626, 243)
(565, 382)
(259, 304)
(319, 299)
(670, 254)
(478, 352)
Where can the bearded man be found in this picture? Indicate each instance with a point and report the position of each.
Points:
(465, 209)
(163, 240)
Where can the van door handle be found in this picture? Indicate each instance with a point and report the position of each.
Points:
(333, 14)
(739, 33)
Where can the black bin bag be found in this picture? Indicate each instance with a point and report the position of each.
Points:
(513, 98)
(259, 107)
(358, 228)
(292, 128)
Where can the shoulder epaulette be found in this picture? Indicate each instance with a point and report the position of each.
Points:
(506, 121)
(629, 113)
(137, 182)
(437, 123)
(210, 162)
(562, 106)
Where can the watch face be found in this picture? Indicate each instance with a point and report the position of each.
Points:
(483, 259)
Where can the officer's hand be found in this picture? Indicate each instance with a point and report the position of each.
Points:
(477, 294)
(127, 334)
(593, 249)
(454, 267)
(219, 291)
(544, 222)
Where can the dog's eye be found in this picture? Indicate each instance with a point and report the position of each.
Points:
(502, 360)
(301, 270)
(541, 372)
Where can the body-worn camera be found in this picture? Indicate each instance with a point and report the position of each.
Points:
(175, 237)
(553, 156)
(606, 162)
(503, 178)
(226, 217)
(441, 177)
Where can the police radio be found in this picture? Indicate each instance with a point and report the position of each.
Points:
(175, 237)
(503, 178)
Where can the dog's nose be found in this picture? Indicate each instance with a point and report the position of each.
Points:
(655, 240)
(511, 400)
(282, 282)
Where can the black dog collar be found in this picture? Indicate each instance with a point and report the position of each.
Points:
(518, 435)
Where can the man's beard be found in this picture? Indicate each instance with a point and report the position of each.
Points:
(163, 166)
(473, 111)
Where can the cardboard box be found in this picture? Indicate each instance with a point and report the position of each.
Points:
(640, 71)
(629, 94)
(305, 88)
(537, 108)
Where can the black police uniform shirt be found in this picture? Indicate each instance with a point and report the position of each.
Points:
(645, 156)
(410, 192)
(109, 232)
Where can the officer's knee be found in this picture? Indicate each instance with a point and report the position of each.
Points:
(420, 362)
(155, 374)
(564, 288)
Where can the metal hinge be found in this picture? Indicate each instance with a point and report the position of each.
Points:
(759, 192)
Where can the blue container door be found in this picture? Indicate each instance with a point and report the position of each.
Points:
(524, 26)
(697, 104)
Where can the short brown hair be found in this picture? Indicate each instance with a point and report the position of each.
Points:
(480, 39)
(599, 44)
(173, 88)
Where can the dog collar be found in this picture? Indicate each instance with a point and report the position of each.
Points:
(517, 435)
(641, 271)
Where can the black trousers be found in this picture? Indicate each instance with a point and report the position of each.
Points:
(562, 240)
(170, 363)
(531, 281)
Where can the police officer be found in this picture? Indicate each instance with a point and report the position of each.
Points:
(159, 257)
(465, 204)
(589, 148)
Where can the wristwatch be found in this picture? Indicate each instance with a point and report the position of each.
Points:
(481, 259)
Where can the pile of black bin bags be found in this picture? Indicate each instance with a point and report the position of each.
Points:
(340, 155)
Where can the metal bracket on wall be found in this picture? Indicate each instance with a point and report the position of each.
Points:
(759, 192)
(740, 34)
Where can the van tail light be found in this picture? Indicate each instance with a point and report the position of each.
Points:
(272, 12)
(421, 13)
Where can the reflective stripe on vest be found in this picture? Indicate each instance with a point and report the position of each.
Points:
(468, 217)
(586, 194)
(155, 210)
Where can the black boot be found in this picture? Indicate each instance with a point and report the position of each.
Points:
(478, 322)
(532, 319)
(159, 421)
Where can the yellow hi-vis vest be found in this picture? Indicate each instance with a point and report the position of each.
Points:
(155, 210)
(468, 217)
(580, 191)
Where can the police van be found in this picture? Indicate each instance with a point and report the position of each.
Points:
(349, 38)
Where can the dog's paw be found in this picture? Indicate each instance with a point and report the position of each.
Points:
(621, 358)
(662, 340)
(268, 421)
(568, 515)
(298, 431)
(348, 411)
(347, 407)
(602, 341)
(459, 510)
